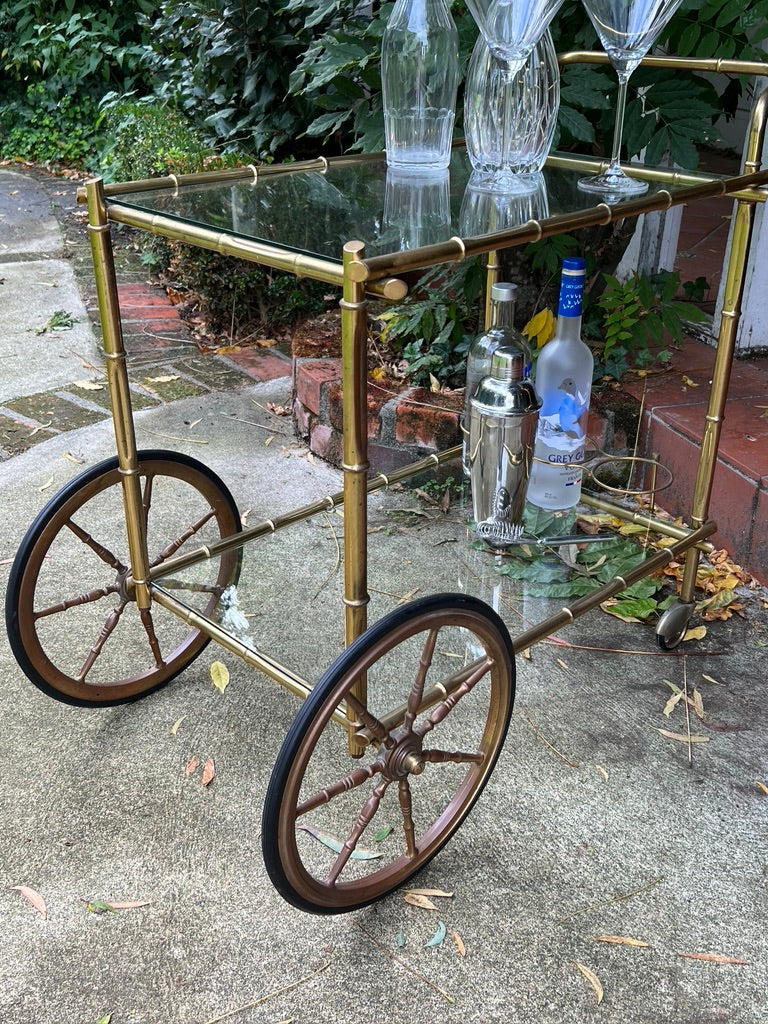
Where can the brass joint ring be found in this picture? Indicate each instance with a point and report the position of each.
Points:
(462, 247)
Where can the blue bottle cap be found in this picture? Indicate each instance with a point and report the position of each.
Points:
(574, 265)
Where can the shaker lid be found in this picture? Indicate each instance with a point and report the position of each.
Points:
(507, 364)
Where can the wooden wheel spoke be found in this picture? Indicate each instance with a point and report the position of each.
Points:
(452, 757)
(406, 808)
(154, 645)
(174, 545)
(417, 690)
(109, 626)
(376, 728)
(89, 597)
(369, 809)
(349, 782)
(103, 553)
(444, 708)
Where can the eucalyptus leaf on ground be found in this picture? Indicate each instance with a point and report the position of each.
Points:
(33, 898)
(336, 845)
(593, 980)
(438, 937)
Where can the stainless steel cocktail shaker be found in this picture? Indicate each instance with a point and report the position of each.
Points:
(503, 414)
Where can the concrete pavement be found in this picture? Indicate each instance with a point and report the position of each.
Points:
(593, 822)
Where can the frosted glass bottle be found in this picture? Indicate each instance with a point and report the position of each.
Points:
(419, 79)
(510, 116)
(502, 331)
(563, 383)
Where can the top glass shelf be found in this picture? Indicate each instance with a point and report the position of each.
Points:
(315, 210)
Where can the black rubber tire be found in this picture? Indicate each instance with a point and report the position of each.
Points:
(37, 663)
(280, 850)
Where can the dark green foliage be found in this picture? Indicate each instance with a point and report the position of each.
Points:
(432, 329)
(633, 322)
(57, 59)
(226, 64)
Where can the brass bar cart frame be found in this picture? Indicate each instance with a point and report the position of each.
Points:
(341, 697)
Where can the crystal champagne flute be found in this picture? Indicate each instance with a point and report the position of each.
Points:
(627, 30)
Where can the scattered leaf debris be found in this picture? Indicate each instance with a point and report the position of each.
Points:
(335, 844)
(593, 980)
(622, 940)
(209, 772)
(219, 676)
(461, 948)
(714, 958)
(438, 938)
(33, 898)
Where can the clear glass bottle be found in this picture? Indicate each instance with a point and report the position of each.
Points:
(502, 331)
(419, 79)
(510, 115)
(563, 383)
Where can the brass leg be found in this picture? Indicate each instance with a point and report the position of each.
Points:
(119, 391)
(355, 465)
(492, 275)
(726, 343)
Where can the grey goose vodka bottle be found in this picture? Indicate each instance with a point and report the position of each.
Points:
(563, 382)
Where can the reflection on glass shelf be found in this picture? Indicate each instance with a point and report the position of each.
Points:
(485, 210)
(314, 211)
(417, 209)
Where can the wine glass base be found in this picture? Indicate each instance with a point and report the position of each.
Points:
(613, 185)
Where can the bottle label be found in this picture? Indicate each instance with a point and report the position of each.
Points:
(571, 293)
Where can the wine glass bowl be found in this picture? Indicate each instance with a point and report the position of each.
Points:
(512, 28)
(627, 30)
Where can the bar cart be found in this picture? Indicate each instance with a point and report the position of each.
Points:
(128, 572)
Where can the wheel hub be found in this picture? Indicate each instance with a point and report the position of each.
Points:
(404, 758)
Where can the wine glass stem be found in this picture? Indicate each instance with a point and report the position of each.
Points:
(618, 130)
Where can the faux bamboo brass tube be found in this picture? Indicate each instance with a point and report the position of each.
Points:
(295, 263)
(354, 355)
(570, 613)
(651, 523)
(257, 659)
(726, 345)
(713, 64)
(455, 249)
(119, 390)
(268, 526)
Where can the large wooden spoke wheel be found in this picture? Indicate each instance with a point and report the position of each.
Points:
(72, 619)
(341, 831)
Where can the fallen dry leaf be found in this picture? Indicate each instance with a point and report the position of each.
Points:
(697, 633)
(698, 704)
(176, 724)
(126, 904)
(73, 458)
(279, 410)
(34, 898)
(166, 378)
(430, 892)
(621, 940)
(88, 385)
(682, 738)
(46, 485)
(762, 787)
(191, 766)
(462, 949)
(688, 382)
(713, 958)
(709, 679)
(602, 771)
(562, 664)
(219, 676)
(209, 772)
(419, 901)
(669, 707)
(593, 980)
